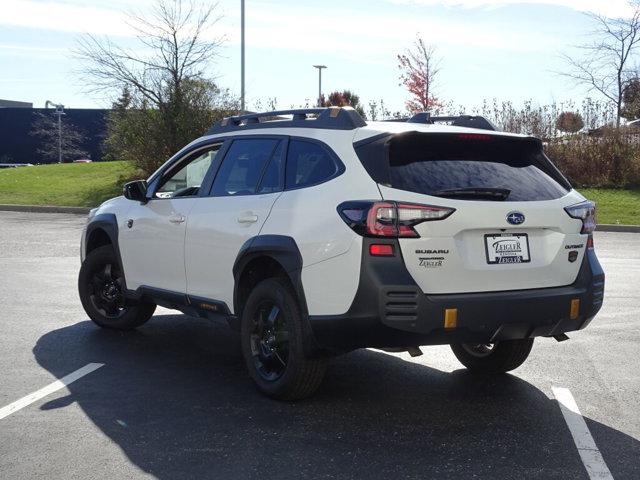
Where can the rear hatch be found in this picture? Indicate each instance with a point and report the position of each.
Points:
(509, 230)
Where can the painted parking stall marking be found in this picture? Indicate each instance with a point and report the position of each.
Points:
(589, 453)
(49, 389)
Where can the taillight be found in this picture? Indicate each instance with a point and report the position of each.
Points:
(585, 211)
(389, 219)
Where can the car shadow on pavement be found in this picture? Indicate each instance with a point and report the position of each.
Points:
(176, 398)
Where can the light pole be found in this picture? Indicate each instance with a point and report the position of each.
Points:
(59, 112)
(242, 57)
(319, 67)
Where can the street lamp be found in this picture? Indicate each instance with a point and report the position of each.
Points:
(242, 57)
(59, 112)
(319, 67)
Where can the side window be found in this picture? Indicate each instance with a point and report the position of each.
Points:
(272, 179)
(242, 166)
(308, 164)
(186, 180)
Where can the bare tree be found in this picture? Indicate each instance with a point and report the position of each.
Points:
(419, 68)
(605, 65)
(165, 73)
(45, 129)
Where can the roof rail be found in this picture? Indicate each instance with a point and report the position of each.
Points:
(468, 121)
(335, 118)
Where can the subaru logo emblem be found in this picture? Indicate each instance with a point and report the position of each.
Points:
(515, 218)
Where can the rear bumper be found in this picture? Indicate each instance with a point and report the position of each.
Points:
(390, 310)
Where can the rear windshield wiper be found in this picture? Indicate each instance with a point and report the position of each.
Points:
(474, 192)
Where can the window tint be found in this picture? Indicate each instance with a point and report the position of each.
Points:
(308, 164)
(187, 179)
(242, 166)
(461, 166)
(272, 179)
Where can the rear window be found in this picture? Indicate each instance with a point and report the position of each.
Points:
(465, 166)
(308, 164)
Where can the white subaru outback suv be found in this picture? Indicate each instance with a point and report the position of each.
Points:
(313, 233)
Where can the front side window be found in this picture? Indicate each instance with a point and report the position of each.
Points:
(185, 179)
(308, 163)
(243, 166)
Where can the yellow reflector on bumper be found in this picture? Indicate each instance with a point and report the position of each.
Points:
(575, 308)
(450, 318)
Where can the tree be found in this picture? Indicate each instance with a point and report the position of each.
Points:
(631, 99)
(570, 122)
(345, 98)
(45, 129)
(605, 66)
(166, 99)
(419, 69)
(135, 131)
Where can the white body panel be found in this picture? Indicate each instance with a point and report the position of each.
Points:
(331, 285)
(309, 215)
(464, 268)
(152, 250)
(217, 228)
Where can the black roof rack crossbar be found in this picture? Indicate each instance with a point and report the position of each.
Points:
(335, 118)
(469, 121)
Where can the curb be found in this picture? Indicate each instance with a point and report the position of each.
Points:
(44, 209)
(618, 228)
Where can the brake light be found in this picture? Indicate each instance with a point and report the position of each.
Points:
(585, 211)
(389, 219)
(475, 136)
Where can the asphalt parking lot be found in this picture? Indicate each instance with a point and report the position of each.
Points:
(172, 400)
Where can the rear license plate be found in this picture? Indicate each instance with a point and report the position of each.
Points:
(507, 248)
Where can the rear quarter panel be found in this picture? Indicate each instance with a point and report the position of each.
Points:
(331, 251)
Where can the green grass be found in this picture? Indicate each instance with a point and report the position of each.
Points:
(68, 184)
(615, 206)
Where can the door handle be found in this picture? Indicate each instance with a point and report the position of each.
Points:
(248, 218)
(177, 218)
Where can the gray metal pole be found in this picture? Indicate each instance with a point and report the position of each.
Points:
(319, 87)
(242, 104)
(59, 138)
(319, 67)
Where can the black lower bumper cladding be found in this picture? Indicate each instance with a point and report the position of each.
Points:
(390, 310)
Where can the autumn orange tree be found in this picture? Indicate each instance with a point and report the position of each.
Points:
(419, 67)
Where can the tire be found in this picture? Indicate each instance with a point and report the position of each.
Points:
(100, 284)
(272, 343)
(500, 358)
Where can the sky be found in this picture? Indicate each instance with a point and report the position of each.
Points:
(503, 49)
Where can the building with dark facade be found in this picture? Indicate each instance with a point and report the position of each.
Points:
(19, 145)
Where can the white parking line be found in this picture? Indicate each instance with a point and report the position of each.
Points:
(589, 453)
(43, 392)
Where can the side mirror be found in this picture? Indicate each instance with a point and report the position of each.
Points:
(136, 190)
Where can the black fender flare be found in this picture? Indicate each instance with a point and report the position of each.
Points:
(108, 223)
(284, 250)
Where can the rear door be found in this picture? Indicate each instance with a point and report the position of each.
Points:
(246, 186)
(509, 230)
